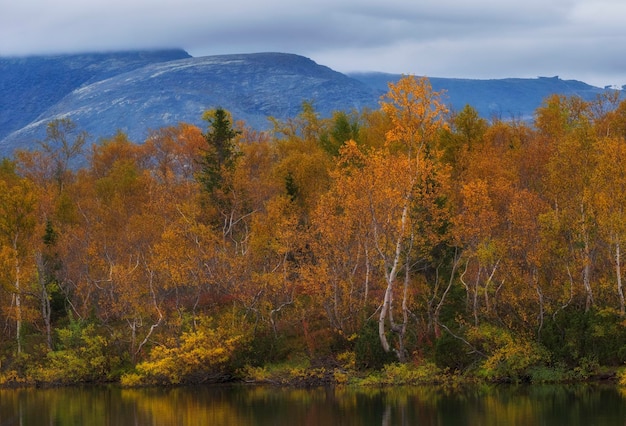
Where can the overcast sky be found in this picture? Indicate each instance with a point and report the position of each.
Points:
(574, 39)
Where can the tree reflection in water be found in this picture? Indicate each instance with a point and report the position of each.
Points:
(244, 405)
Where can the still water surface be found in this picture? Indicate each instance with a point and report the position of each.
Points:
(240, 405)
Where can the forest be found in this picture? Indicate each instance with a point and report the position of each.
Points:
(405, 243)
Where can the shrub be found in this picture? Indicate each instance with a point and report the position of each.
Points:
(81, 357)
(574, 335)
(621, 377)
(347, 360)
(407, 374)
(369, 352)
(451, 352)
(398, 374)
(203, 355)
(508, 357)
(296, 372)
(549, 374)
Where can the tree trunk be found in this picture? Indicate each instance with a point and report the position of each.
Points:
(436, 314)
(390, 277)
(475, 296)
(618, 274)
(401, 352)
(383, 317)
(586, 263)
(540, 300)
(17, 287)
(18, 308)
(587, 276)
(45, 299)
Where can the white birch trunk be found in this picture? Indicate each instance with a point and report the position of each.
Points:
(618, 274)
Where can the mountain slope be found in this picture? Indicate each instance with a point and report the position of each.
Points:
(252, 87)
(138, 91)
(31, 85)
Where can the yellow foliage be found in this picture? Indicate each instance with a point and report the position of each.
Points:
(347, 360)
(203, 355)
(508, 355)
(82, 357)
(405, 374)
(417, 113)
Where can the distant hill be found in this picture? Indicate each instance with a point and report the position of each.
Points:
(509, 98)
(138, 91)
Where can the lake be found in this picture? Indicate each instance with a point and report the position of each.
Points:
(259, 405)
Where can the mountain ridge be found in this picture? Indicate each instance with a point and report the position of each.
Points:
(136, 91)
(29, 85)
(504, 98)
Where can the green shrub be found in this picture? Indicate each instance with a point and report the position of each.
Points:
(368, 351)
(599, 334)
(397, 374)
(296, 372)
(587, 367)
(81, 356)
(451, 352)
(406, 374)
(508, 356)
(549, 374)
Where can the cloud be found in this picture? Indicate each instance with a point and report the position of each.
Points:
(464, 38)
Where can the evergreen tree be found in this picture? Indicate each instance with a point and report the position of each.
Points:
(221, 154)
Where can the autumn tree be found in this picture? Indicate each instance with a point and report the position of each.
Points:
(608, 179)
(465, 134)
(302, 163)
(525, 293)
(173, 154)
(185, 258)
(107, 247)
(18, 203)
(51, 167)
(567, 122)
(476, 226)
(417, 115)
(306, 126)
(487, 184)
(63, 145)
(609, 199)
(397, 202)
(343, 275)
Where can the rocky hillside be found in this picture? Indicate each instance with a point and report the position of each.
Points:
(138, 91)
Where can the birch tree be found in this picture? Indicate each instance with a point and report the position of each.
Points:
(17, 225)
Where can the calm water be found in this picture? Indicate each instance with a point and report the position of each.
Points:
(501, 405)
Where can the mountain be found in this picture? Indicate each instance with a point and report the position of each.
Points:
(165, 92)
(508, 98)
(142, 90)
(29, 86)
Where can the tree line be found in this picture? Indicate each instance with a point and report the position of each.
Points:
(409, 234)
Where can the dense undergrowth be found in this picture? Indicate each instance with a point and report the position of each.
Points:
(211, 354)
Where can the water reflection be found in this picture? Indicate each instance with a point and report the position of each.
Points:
(242, 405)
